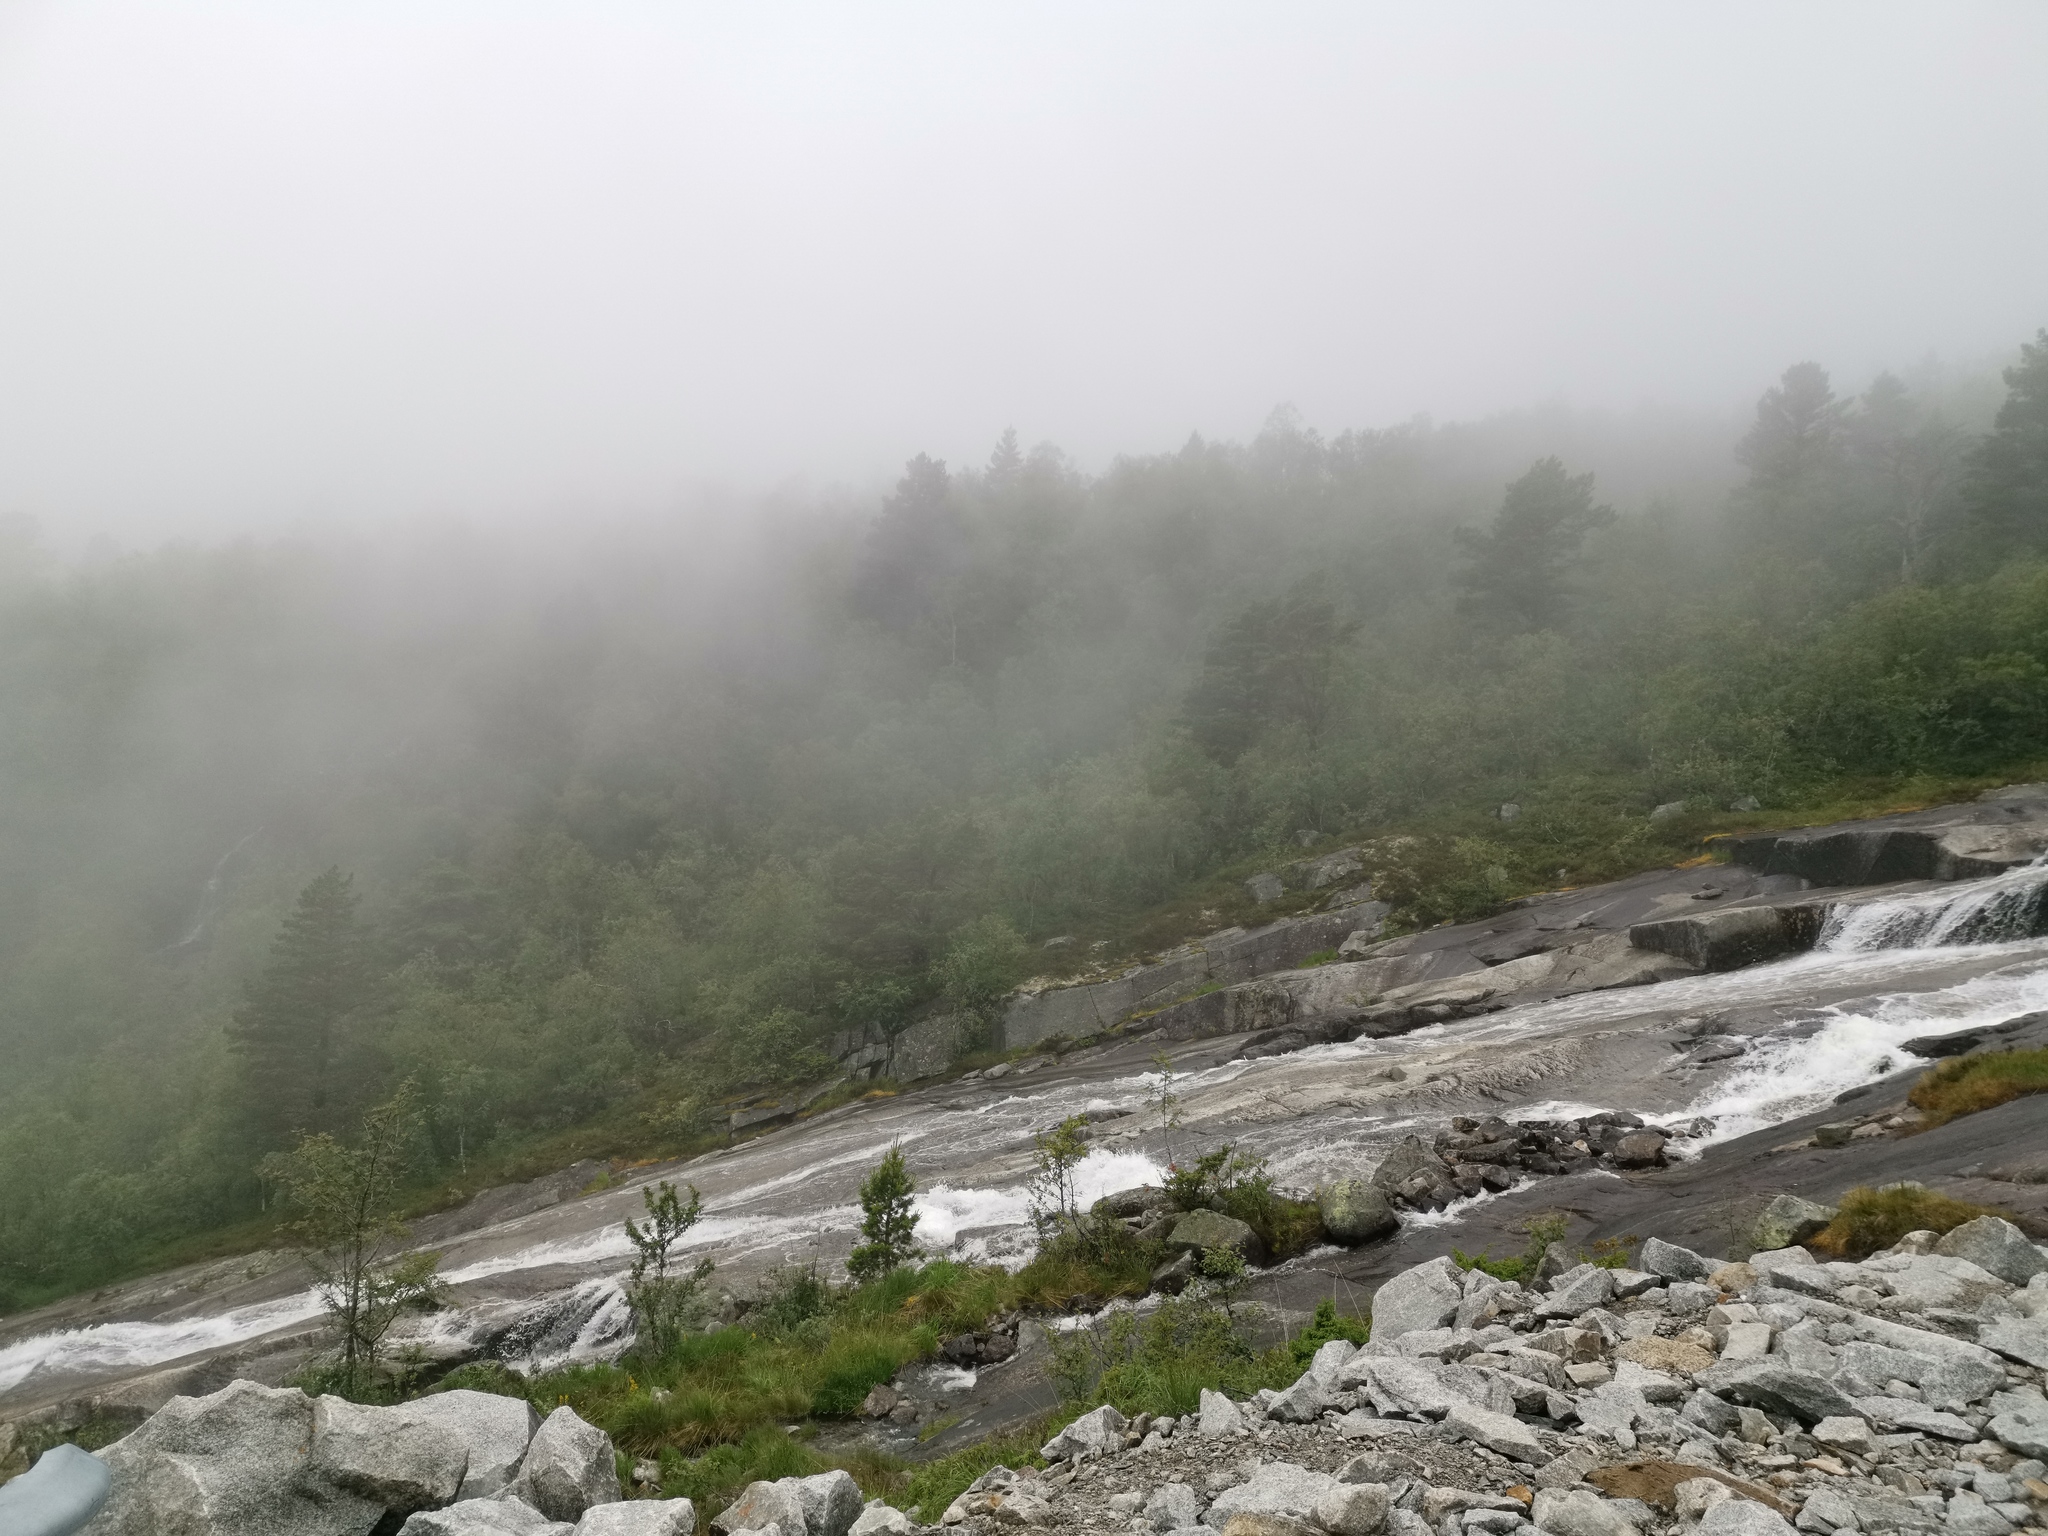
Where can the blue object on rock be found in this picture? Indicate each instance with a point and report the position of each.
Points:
(63, 1490)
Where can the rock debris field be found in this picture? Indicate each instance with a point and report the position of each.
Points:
(1900, 1394)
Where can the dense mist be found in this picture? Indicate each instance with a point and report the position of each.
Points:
(586, 831)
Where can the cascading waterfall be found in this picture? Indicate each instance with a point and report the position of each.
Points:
(1991, 911)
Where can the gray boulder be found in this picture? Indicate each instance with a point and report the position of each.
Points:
(1996, 1246)
(1219, 1416)
(1098, 1431)
(1579, 1512)
(883, 1520)
(1425, 1296)
(1172, 1507)
(1668, 1261)
(1353, 1509)
(831, 1502)
(1788, 1220)
(2018, 1338)
(225, 1464)
(640, 1517)
(1276, 1488)
(569, 1466)
(1199, 1231)
(760, 1505)
(1777, 1388)
(1355, 1211)
(1501, 1433)
(385, 1455)
(494, 1429)
(1742, 1517)
(484, 1517)
(1577, 1290)
(2022, 1428)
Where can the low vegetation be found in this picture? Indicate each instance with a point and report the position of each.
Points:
(1867, 1220)
(1969, 1084)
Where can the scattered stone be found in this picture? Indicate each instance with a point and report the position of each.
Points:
(1276, 1488)
(2018, 1338)
(1844, 1434)
(1742, 1517)
(1173, 1506)
(1353, 1509)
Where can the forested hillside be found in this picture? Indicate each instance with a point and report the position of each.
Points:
(591, 828)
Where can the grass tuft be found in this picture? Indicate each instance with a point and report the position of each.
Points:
(1970, 1084)
(1870, 1219)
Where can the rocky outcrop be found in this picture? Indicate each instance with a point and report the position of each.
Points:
(251, 1460)
(1041, 1011)
(2000, 830)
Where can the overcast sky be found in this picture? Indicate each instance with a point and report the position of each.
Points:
(286, 259)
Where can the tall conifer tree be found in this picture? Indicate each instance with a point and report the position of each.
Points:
(288, 1029)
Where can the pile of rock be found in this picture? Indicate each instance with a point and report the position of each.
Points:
(1902, 1394)
(1495, 1154)
(251, 1460)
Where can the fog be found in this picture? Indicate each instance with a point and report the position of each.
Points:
(268, 265)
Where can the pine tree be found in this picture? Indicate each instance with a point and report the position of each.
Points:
(288, 1029)
(887, 1221)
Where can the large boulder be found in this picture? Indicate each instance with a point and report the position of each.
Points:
(484, 1517)
(1354, 1211)
(1199, 1231)
(1276, 1488)
(2018, 1338)
(1996, 1246)
(1668, 1261)
(640, 1517)
(569, 1466)
(831, 1502)
(1425, 1296)
(1219, 1416)
(494, 1429)
(1788, 1220)
(1777, 1388)
(228, 1464)
(762, 1504)
(1095, 1433)
(386, 1455)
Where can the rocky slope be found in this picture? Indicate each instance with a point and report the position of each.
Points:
(1516, 1026)
(1750, 1398)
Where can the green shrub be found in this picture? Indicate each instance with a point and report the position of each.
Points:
(1970, 1084)
(1325, 1326)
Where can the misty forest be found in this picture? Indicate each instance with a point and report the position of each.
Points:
(587, 835)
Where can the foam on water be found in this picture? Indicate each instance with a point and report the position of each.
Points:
(102, 1347)
(1786, 1077)
(2006, 906)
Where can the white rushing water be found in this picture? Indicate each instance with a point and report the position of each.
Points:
(2001, 908)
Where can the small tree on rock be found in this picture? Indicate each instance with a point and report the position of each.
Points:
(663, 1303)
(352, 1235)
(1055, 1196)
(887, 1220)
